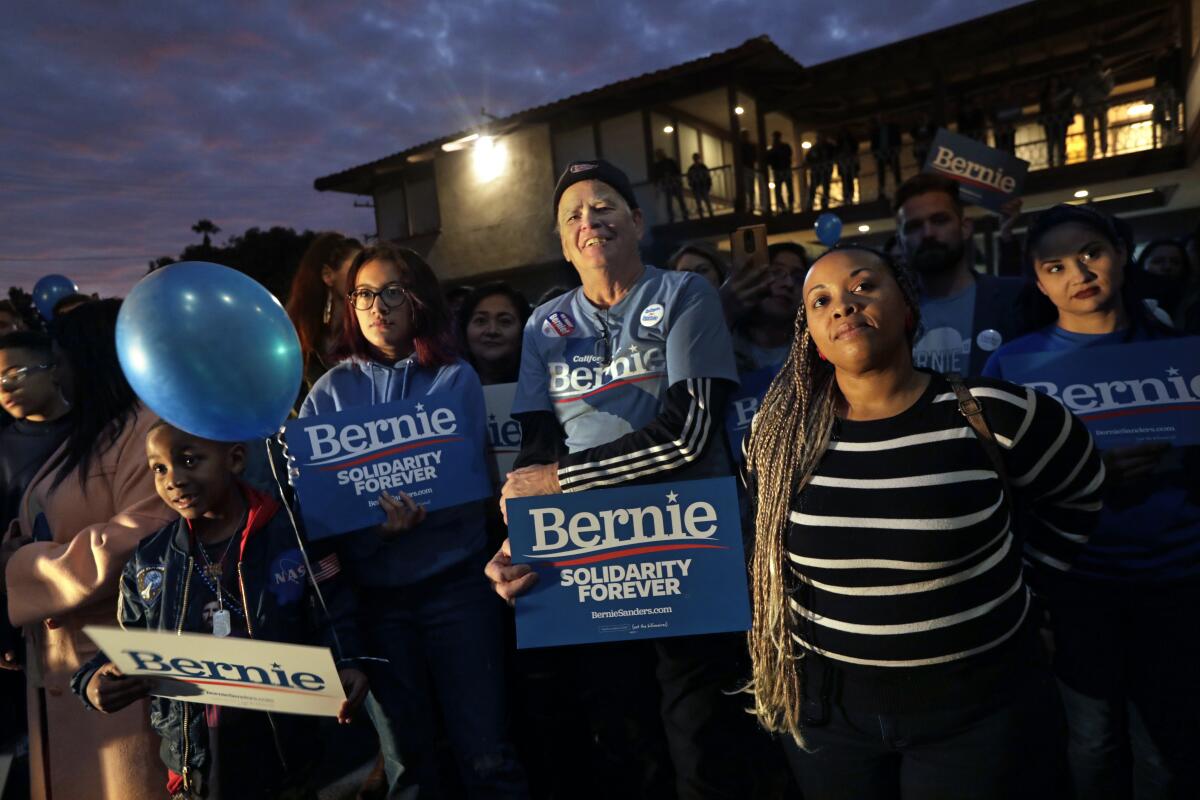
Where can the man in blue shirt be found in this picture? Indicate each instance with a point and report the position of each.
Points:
(965, 316)
(624, 380)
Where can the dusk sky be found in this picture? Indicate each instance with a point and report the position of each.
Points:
(127, 122)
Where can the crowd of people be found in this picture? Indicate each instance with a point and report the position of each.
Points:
(1062, 101)
(954, 591)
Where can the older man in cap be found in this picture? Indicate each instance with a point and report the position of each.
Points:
(649, 409)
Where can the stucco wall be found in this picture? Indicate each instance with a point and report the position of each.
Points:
(499, 224)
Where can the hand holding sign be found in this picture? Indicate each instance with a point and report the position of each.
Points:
(110, 690)
(531, 481)
(355, 685)
(403, 514)
(508, 579)
(1124, 464)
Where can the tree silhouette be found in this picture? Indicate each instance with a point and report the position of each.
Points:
(205, 227)
(159, 263)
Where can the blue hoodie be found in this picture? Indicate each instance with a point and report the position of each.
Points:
(445, 538)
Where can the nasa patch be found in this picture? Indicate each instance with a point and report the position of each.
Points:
(288, 576)
(150, 584)
(558, 324)
(652, 315)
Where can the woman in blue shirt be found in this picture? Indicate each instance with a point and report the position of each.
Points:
(426, 608)
(1126, 650)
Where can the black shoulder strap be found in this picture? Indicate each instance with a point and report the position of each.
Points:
(971, 408)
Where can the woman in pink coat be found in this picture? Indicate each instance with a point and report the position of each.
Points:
(80, 519)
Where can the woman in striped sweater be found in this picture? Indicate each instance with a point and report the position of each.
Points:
(893, 637)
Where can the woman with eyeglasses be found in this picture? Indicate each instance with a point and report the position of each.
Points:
(81, 517)
(428, 611)
(893, 639)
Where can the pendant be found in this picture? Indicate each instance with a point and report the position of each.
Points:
(221, 624)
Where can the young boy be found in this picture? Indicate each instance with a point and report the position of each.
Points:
(230, 566)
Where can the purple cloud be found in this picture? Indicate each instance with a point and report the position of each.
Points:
(126, 123)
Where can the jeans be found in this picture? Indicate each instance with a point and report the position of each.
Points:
(443, 640)
(783, 181)
(997, 749)
(702, 198)
(1095, 117)
(1128, 664)
(673, 192)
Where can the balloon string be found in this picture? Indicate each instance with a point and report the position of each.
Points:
(303, 551)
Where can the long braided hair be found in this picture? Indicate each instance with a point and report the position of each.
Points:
(788, 437)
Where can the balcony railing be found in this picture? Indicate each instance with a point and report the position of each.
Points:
(1127, 123)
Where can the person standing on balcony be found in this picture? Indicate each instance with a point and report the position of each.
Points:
(1056, 116)
(966, 315)
(749, 152)
(885, 144)
(1092, 91)
(1004, 121)
(779, 159)
(972, 122)
(669, 180)
(847, 163)
(700, 182)
(922, 134)
(819, 163)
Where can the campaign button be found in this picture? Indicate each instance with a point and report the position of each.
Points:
(652, 315)
(989, 339)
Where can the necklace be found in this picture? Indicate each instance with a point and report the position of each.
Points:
(211, 576)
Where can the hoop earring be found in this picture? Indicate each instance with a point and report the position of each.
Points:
(328, 315)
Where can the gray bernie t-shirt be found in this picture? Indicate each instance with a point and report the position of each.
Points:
(946, 333)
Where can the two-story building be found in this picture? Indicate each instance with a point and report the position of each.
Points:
(476, 202)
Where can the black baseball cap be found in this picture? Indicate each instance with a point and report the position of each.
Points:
(1115, 229)
(594, 170)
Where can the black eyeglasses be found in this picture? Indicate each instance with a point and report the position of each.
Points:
(17, 375)
(603, 348)
(392, 296)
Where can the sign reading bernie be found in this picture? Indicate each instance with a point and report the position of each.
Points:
(226, 671)
(987, 177)
(638, 561)
(1125, 393)
(427, 448)
(503, 432)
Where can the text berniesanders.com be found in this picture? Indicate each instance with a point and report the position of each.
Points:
(630, 612)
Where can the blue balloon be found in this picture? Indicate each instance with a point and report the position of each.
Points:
(210, 350)
(49, 290)
(829, 228)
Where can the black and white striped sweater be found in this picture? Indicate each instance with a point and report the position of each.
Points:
(901, 546)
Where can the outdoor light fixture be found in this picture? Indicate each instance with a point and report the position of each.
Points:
(1139, 109)
(459, 144)
(864, 228)
(1081, 193)
(489, 157)
(668, 129)
(805, 145)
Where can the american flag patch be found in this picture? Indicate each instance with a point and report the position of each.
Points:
(328, 567)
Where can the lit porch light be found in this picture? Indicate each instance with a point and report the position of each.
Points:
(489, 157)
